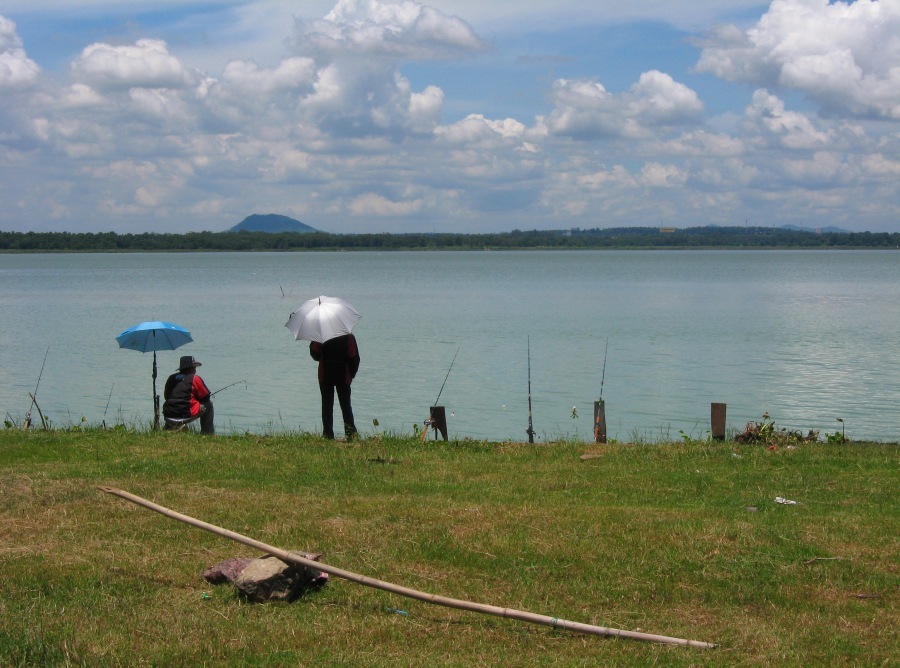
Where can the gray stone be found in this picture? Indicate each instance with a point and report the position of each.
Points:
(271, 579)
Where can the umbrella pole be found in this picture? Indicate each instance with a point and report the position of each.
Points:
(155, 396)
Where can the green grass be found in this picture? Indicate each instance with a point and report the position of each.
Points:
(681, 539)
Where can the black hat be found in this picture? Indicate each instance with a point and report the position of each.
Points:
(188, 362)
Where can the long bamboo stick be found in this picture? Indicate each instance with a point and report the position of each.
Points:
(507, 613)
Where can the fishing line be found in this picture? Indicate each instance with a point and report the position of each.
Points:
(222, 389)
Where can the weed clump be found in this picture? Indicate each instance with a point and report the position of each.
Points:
(765, 433)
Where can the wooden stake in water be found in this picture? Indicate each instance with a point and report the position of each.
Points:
(509, 613)
(717, 421)
(437, 417)
(600, 421)
(600, 406)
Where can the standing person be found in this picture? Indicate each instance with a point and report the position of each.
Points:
(338, 360)
(188, 398)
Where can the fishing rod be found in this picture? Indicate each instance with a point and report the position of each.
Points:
(445, 379)
(530, 430)
(34, 403)
(603, 375)
(107, 403)
(222, 389)
(430, 421)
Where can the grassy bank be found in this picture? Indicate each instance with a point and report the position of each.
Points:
(680, 539)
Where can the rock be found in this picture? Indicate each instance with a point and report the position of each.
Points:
(271, 579)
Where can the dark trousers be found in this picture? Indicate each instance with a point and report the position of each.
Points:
(207, 418)
(343, 392)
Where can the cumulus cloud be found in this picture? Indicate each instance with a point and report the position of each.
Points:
(476, 129)
(358, 48)
(16, 68)
(133, 136)
(793, 130)
(843, 55)
(585, 109)
(406, 30)
(290, 74)
(145, 64)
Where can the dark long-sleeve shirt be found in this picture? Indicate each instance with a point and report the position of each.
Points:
(184, 392)
(338, 359)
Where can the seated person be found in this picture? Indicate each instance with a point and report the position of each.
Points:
(187, 398)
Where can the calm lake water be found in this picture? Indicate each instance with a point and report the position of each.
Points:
(808, 336)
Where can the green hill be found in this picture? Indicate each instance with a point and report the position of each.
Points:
(271, 222)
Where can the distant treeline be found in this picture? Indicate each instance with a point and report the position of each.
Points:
(622, 237)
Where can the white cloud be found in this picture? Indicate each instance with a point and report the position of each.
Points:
(478, 130)
(793, 130)
(584, 109)
(703, 143)
(16, 69)
(290, 74)
(405, 30)
(425, 108)
(843, 55)
(657, 175)
(371, 204)
(346, 130)
(145, 64)
(81, 95)
(685, 13)
(881, 165)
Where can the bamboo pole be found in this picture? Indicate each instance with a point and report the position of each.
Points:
(507, 613)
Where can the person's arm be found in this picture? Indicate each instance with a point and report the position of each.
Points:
(201, 392)
(315, 350)
(353, 356)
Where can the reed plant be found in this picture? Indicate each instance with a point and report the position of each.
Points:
(683, 539)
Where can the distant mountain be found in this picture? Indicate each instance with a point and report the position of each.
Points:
(819, 230)
(271, 222)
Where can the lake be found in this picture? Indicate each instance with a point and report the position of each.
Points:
(807, 336)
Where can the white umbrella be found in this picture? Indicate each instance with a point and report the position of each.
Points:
(322, 318)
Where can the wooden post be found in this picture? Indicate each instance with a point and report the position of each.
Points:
(439, 420)
(600, 421)
(717, 421)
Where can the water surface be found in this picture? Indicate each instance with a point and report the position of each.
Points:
(808, 336)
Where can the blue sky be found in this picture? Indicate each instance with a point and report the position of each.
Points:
(453, 115)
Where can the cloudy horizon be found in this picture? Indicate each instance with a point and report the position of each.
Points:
(449, 116)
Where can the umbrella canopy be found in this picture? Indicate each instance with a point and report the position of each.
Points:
(152, 336)
(322, 318)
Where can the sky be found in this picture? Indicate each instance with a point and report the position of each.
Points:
(370, 116)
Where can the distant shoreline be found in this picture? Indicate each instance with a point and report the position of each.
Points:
(633, 238)
(105, 251)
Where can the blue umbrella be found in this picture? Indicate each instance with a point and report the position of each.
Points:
(154, 335)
